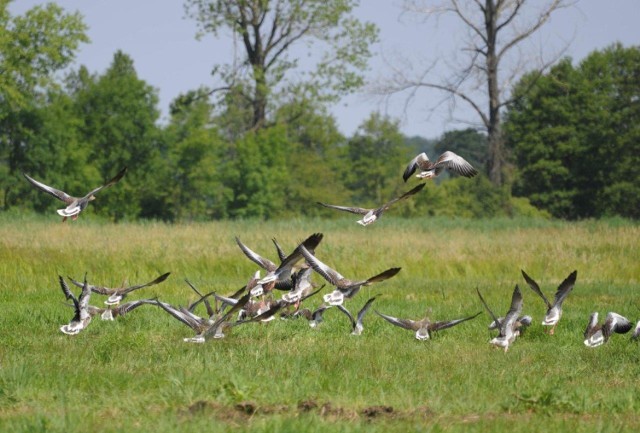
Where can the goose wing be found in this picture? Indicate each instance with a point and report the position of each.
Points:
(409, 193)
(364, 310)
(60, 195)
(331, 275)
(493, 316)
(114, 180)
(437, 326)
(382, 276)
(158, 280)
(615, 323)
(132, 305)
(534, 286)
(565, 288)
(403, 323)
(256, 258)
(514, 312)
(455, 163)
(355, 210)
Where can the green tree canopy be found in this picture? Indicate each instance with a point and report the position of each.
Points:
(576, 136)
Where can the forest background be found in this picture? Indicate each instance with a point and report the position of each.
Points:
(264, 145)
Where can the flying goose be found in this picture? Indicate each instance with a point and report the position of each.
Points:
(554, 310)
(279, 276)
(429, 170)
(356, 324)
(345, 288)
(75, 205)
(372, 215)
(509, 326)
(596, 334)
(81, 317)
(120, 310)
(118, 294)
(424, 327)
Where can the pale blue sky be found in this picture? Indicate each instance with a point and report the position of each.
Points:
(166, 54)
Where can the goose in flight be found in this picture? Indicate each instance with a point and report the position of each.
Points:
(81, 317)
(369, 216)
(345, 288)
(596, 334)
(75, 205)
(118, 294)
(429, 170)
(554, 310)
(424, 327)
(510, 326)
(356, 324)
(279, 276)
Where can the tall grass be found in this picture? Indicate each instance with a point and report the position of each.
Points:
(136, 374)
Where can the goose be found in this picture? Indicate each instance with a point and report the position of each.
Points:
(120, 310)
(554, 310)
(279, 276)
(81, 317)
(118, 294)
(429, 170)
(75, 205)
(423, 327)
(596, 335)
(372, 215)
(345, 288)
(509, 326)
(356, 324)
(522, 323)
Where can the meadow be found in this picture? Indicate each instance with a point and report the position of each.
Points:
(136, 373)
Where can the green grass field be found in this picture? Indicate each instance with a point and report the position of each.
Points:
(136, 373)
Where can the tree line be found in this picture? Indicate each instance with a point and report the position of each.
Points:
(571, 135)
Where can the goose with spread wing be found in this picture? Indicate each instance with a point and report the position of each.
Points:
(370, 216)
(424, 327)
(345, 288)
(81, 317)
(75, 205)
(554, 310)
(597, 334)
(429, 170)
(509, 327)
(115, 295)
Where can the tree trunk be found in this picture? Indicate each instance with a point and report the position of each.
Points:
(494, 129)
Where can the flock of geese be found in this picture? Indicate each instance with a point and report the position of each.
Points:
(256, 302)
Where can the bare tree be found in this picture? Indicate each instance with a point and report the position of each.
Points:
(495, 31)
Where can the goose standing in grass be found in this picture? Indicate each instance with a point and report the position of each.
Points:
(75, 205)
(596, 334)
(429, 170)
(509, 326)
(554, 310)
(118, 294)
(345, 288)
(371, 215)
(81, 317)
(424, 327)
